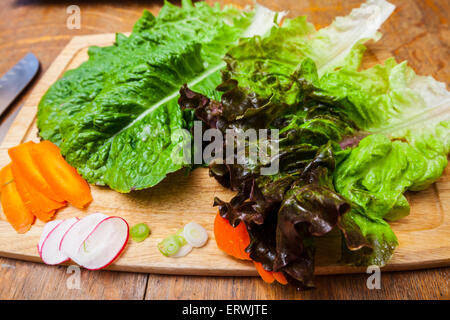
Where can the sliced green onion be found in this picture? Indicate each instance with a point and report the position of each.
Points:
(139, 232)
(170, 245)
(181, 243)
(180, 233)
(184, 250)
(195, 234)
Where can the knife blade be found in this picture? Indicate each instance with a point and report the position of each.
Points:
(16, 79)
(7, 122)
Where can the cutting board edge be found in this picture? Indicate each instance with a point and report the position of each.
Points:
(250, 272)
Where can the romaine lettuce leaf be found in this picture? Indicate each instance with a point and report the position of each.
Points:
(409, 118)
(265, 65)
(113, 117)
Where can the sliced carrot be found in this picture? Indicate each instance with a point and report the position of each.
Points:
(43, 203)
(279, 276)
(14, 209)
(62, 177)
(24, 193)
(227, 237)
(221, 234)
(42, 207)
(6, 175)
(21, 156)
(234, 241)
(265, 275)
(243, 240)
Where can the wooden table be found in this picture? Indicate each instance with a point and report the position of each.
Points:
(418, 31)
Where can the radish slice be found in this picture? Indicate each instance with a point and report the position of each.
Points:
(195, 234)
(49, 226)
(50, 252)
(75, 236)
(103, 245)
(184, 250)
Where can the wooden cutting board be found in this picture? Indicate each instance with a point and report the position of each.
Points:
(424, 235)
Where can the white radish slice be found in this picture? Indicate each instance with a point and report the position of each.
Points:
(195, 234)
(104, 244)
(49, 226)
(50, 252)
(74, 237)
(184, 250)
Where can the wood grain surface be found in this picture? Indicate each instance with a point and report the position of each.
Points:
(418, 31)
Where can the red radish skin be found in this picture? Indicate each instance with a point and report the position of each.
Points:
(68, 230)
(49, 226)
(75, 236)
(119, 252)
(50, 252)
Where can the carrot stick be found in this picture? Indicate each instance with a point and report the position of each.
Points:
(21, 187)
(62, 177)
(265, 275)
(243, 240)
(222, 234)
(227, 237)
(14, 209)
(42, 207)
(6, 175)
(234, 241)
(279, 276)
(21, 156)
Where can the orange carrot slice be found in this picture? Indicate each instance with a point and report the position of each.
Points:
(232, 240)
(42, 207)
(6, 175)
(14, 209)
(61, 177)
(21, 187)
(21, 156)
(243, 240)
(265, 275)
(234, 243)
(279, 276)
(221, 233)
(226, 237)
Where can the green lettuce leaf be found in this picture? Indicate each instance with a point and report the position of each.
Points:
(408, 117)
(368, 240)
(115, 116)
(266, 65)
